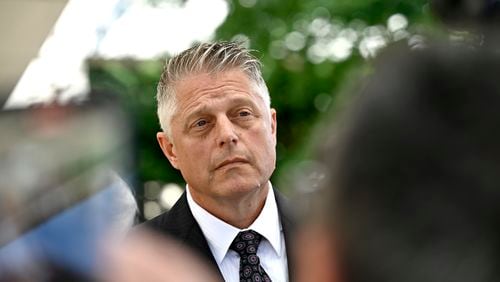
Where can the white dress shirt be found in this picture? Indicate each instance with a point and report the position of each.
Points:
(220, 235)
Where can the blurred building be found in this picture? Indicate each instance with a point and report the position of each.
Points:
(24, 25)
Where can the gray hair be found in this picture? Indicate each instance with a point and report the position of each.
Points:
(206, 57)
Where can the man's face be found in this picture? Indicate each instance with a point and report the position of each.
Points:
(223, 135)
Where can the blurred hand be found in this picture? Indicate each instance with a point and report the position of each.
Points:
(144, 256)
(316, 255)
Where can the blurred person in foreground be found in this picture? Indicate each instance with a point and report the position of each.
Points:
(219, 130)
(147, 256)
(412, 186)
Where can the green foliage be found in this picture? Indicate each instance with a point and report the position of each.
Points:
(303, 87)
(302, 91)
(135, 82)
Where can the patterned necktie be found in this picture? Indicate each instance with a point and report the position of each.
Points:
(246, 244)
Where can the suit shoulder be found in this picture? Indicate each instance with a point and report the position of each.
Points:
(285, 209)
(157, 222)
(173, 222)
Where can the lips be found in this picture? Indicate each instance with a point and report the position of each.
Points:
(231, 161)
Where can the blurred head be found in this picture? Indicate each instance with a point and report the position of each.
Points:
(413, 171)
(467, 12)
(205, 58)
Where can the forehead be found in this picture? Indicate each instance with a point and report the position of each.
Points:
(228, 85)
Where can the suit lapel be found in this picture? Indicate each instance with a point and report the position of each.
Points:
(288, 223)
(179, 223)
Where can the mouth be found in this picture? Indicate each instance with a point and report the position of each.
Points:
(233, 161)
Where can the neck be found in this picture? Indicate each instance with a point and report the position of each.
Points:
(239, 211)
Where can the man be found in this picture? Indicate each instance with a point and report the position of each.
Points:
(413, 175)
(220, 132)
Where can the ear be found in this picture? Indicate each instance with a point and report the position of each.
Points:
(274, 123)
(168, 149)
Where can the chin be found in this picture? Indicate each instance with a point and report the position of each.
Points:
(236, 187)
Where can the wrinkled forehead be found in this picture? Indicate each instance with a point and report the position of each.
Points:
(196, 85)
(213, 74)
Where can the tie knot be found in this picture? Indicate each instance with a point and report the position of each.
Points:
(246, 243)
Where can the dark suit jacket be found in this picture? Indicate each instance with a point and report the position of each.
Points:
(180, 224)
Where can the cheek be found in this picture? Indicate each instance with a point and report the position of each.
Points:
(264, 150)
(267, 142)
(191, 156)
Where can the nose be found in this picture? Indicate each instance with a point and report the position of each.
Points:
(226, 132)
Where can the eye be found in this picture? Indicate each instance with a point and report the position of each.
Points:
(200, 123)
(244, 113)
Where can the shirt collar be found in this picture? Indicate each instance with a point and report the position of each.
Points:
(220, 234)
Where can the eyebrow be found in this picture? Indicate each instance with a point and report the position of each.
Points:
(198, 112)
(237, 101)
